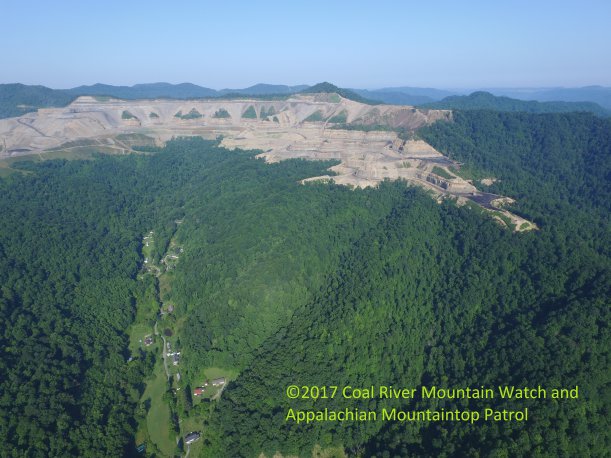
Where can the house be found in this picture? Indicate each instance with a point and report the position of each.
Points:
(218, 381)
(148, 340)
(176, 358)
(198, 391)
(191, 437)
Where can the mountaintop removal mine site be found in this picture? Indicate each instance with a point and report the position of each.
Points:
(371, 142)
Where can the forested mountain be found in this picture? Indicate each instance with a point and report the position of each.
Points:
(326, 87)
(281, 284)
(596, 94)
(432, 93)
(69, 241)
(394, 98)
(487, 101)
(266, 89)
(17, 99)
(146, 91)
(438, 295)
(75, 229)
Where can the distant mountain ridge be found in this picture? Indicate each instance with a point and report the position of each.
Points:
(597, 94)
(265, 89)
(17, 99)
(180, 91)
(486, 101)
(432, 93)
(394, 98)
(146, 91)
(326, 87)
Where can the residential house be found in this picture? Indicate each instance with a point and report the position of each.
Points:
(191, 437)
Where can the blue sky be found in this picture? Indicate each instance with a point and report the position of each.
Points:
(426, 43)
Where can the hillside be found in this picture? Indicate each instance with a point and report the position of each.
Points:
(393, 97)
(596, 94)
(317, 285)
(146, 91)
(18, 99)
(265, 89)
(487, 101)
(436, 296)
(328, 88)
(372, 142)
(432, 93)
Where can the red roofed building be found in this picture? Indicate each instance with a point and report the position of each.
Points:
(198, 392)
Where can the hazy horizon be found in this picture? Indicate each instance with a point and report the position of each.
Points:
(526, 89)
(449, 45)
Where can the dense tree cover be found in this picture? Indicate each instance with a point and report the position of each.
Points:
(555, 165)
(250, 113)
(221, 113)
(192, 114)
(340, 118)
(315, 284)
(439, 295)
(257, 249)
(17, 99)
(486, 101)
(127, 115)
(317, 116)
(69, 251)
(265, 113)
(70, 239)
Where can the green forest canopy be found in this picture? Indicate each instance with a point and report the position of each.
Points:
(317, 284)
(481, 100)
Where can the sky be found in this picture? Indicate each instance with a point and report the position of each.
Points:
(455, 44)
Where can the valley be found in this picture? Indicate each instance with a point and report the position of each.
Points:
(256, 279)
(305, 230)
